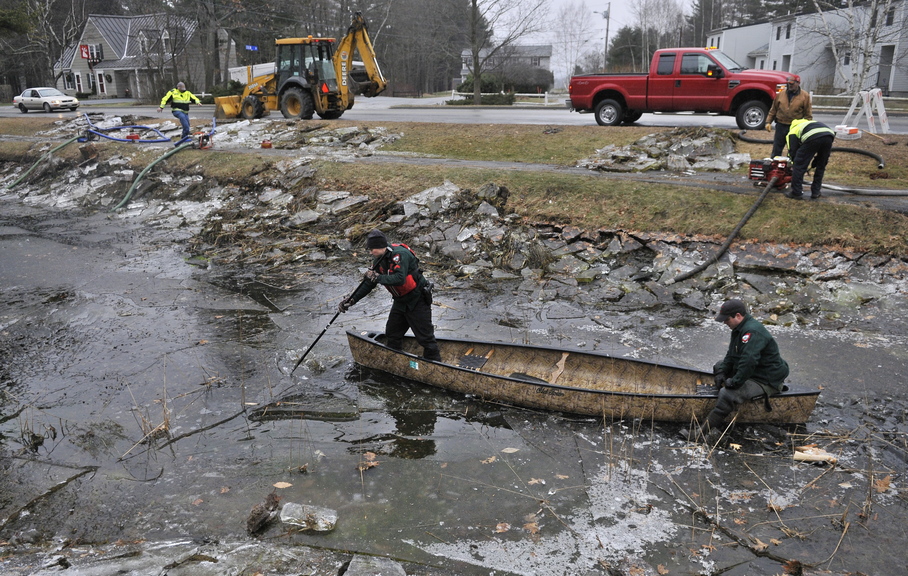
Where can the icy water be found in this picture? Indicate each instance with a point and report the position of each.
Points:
(146, 407)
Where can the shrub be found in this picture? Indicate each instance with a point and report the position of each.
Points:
(487, 100)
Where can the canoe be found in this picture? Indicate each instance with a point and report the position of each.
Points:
(586, 383)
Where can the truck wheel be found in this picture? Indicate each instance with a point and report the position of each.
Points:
(297, 104)
(331, 114)
(752, 115)
(631, 116)
(609, 113)
(252, 108)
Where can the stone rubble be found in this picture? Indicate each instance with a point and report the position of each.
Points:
(678, 150)
(280, 216)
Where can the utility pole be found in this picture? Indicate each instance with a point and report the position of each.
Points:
(607, 15)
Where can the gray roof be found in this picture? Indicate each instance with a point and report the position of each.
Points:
(122, 35)
(761, 51)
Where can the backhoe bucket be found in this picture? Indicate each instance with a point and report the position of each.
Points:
(227, 107)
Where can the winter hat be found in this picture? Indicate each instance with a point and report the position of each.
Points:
(376, 239)
(729, 309)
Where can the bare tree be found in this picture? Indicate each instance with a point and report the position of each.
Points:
(853, 34)
(573, 27)
(55, 26)
(661, 22)
(495, 26)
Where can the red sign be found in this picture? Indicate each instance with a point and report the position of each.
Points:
(83, 50)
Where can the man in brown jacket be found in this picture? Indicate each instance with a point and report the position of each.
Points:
(790, 104)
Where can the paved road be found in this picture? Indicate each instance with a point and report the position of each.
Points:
(387, 109)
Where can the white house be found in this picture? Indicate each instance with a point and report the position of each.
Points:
(803, 44)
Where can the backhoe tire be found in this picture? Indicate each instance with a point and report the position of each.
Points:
(295, 103)
(752, 115)
(331, 114)
(609, 113)
(252, 108)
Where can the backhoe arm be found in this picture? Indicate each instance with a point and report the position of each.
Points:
(357, 38)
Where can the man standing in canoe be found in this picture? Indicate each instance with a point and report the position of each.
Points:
(752, 368)
(396, 267)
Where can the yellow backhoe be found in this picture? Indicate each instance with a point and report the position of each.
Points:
(311, 76)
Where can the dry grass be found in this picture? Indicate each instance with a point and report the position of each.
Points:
(590, 201)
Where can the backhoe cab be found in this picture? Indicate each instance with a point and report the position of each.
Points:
(311, 76)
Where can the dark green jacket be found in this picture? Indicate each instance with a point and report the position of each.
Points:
(397, 267)
(752, 355)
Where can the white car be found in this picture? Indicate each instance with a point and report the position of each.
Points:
(47, 99)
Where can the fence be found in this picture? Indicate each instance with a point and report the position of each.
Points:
(545, 98)
(843, 102)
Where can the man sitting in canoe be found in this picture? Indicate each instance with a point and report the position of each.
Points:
(396, 267)
(752, 368)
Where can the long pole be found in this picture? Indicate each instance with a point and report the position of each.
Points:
(319, 337)
(608, 19)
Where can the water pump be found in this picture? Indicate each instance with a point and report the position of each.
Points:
(768, 169)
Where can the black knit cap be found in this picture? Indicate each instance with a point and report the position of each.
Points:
(729, 309)
(376, 239)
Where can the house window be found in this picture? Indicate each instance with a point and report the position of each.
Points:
(762, 64)
(890, 16)
(165, 41)
(774, 64)
(778, 33)
(847, 59)
(788, 32)
(68, 81)
(78, 78)
(95, 52)
(535, 61)
(717, 42)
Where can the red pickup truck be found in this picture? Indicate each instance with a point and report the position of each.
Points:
(679, 80)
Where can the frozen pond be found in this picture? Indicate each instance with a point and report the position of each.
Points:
(146, 407)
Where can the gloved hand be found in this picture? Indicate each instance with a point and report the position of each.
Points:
(344, 305)
(372, 276)
(769, 126)
(720, 380)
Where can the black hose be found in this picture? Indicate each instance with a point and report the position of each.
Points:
(875, 156)
(880, 163)
(734, 234)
